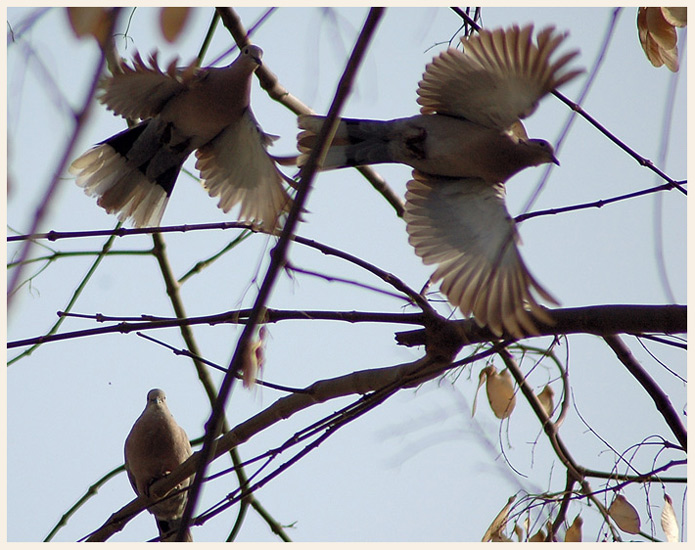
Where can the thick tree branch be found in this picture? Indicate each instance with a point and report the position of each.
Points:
(599, 320)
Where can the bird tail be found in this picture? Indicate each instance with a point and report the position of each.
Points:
(356, 142)
(168, 529)
(132, 173)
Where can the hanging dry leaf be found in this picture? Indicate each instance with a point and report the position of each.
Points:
(254, 359)
(481, 380)
(657, 34)
(678, 17)
(500, 392)
(89, 21)
(546, 399)
(538, 537)
(495, 533)
(624, 515)
(172, 21)
(669, 523)
(574, 532)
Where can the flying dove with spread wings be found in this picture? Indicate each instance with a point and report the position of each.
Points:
(466, 143)
(203, 110)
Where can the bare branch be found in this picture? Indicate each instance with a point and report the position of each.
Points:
(661, 400)
(363, 382)
(277, 260)
(598, 320)
(80, 117)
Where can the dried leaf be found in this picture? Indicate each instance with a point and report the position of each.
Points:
(624, 515)
(574, 532)
(538, 537)
(481, 380)
(494, 532)
(669, 523)
(670, 59)
(89, 21)
(253, 359)
(661, 31)
(678, 17)
(546, 399)
(500, 393)
(657, 34)
(172, 21)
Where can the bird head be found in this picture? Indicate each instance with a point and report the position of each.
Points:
(156, 396)
(539, 151)
(253, 52)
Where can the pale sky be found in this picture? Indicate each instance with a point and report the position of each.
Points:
(418, 468)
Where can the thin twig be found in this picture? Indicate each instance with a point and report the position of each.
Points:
(80, 117)
(593, 204)
(660, 398)
(389, 278)
(91, 491)
(278, 256)
(271, 84)
(209, 363)
(561, 451)
(595, 123)
(643, 161)
(75, 295)
(406, 375)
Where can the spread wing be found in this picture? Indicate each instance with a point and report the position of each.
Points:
(463, 226)
(498, 78)
(236, 167)
(141, 91)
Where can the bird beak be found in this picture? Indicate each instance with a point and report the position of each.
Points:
(555, 161)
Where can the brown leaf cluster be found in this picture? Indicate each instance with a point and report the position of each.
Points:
(657, 34)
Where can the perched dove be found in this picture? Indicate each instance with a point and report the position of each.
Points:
(203, 110)
(466, 143)
(155, 446)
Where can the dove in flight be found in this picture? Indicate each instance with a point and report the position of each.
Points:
(203, 110)
(156, 446)
(467, 141)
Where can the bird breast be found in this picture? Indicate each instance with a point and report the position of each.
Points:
(209, 106)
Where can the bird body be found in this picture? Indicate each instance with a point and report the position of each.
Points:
(441, 145)
(156, 446)
(205, 107)
(204, 110)
(465, 144)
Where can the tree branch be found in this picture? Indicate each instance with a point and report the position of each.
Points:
(661, 400)
(405, 375)
(271, 84)
(278, 256)
(79, 117)
(599, 320)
